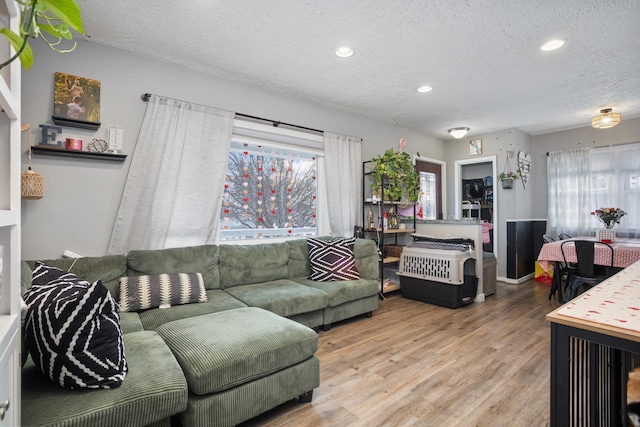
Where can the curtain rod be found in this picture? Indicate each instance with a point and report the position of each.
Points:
(146, 96)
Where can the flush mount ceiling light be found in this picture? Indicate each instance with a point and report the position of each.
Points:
(424, 89)
(344, 51)
(606, 119)
(552, 45)
(458, 133)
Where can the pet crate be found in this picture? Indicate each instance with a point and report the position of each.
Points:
(445, 277)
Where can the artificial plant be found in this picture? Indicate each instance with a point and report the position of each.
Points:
(395, 173)
(51, 20)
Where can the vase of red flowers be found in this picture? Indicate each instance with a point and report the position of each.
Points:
(609, 217)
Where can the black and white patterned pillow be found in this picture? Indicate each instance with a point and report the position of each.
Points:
(161, 290)
(72, 330)
(332, 260)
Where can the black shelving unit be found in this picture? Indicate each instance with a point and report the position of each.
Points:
(383, 236)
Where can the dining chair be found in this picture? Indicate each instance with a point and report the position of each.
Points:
(587, 274)
(548, 239)
(564, 236)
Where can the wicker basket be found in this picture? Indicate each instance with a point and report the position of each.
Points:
(32, 185)
(393, 250)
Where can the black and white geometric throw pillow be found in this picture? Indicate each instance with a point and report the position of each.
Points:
(72, 330)
(161, 290)
(332, 260)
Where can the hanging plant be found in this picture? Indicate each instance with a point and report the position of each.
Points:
(506, 177)
(395, 173)
(51, 20)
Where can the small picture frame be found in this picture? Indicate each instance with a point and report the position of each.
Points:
(475, 147)
(115, 139)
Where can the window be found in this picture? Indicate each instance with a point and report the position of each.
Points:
(271, 185)
(581, 181)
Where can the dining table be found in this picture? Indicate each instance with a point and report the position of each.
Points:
(625, 252)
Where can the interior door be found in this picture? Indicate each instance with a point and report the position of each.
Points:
(435, 170)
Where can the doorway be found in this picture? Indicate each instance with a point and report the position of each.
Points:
(432, 201)
(475, 195)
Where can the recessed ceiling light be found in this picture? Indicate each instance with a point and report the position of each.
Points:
(344, 51)
(552, 45)
(423, 89)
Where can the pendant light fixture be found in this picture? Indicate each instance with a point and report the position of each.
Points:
(606, 119)
(458, 133)
(31, 183)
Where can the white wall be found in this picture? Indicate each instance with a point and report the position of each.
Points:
(82, 196)
(511, 204)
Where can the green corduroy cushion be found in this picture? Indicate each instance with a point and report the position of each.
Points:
(218, 300)
(247, 264)
(222, 350)
(192, 259)
(107, 268)
(343, 291)
(283, 297)
(154, 389)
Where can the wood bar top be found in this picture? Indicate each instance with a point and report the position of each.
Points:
(611, 308)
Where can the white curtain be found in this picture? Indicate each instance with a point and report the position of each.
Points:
(176, 178)
(583, 180)
(343, 166)
(568, 195)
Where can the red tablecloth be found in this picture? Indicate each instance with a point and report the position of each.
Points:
(625, 253)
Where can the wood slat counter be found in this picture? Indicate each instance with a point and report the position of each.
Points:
(595, 341)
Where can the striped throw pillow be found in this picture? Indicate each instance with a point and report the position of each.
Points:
(72, 330)
(332, 260)
(161, 290)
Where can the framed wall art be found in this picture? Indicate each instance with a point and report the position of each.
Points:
(76, 101)
(475, 147)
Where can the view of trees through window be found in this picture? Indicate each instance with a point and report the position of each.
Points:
(269, 192)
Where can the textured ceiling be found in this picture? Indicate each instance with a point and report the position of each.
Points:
(482, 57)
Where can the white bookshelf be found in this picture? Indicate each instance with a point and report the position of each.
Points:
(10, 165)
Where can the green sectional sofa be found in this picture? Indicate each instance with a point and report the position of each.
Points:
(247, 349)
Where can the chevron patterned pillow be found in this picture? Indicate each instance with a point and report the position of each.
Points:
(72, 330)
(161, 290)
(332, 260)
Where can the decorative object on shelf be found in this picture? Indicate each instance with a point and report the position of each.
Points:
(76, 101)
(396, 175)
(475, 147)
(31, 183)
(524, 166)
(394, 219)
(458, 133)
(44, 19)
(74, 144)
(116, 138)
(97, 145)
(370, 224)
(49, 134)
(606, 119)
(393, 250)
(506, 177)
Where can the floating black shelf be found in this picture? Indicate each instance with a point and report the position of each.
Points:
(82, 124)
(61, 152)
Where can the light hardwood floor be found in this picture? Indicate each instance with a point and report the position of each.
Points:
(417, 364)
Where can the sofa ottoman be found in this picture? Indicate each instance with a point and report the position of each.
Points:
(240, 363)
(153, 390)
